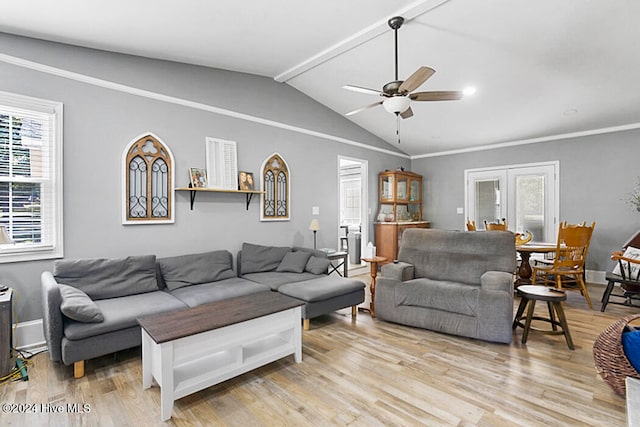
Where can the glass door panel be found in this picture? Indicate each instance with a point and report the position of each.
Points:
(402, 189)
(415, 195)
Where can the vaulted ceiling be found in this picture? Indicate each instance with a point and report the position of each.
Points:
(541, 69)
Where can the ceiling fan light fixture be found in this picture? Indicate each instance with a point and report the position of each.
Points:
(396, 104)
(469, 90)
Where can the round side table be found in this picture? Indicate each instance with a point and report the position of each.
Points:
(532, 293)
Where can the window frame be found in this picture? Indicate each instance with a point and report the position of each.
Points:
(14, 104)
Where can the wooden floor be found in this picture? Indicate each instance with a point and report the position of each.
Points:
(362, 373)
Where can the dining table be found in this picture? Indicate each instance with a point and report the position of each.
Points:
(525, 251)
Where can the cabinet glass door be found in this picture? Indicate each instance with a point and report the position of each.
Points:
(402, 189)
(415, 191)
(386, 187)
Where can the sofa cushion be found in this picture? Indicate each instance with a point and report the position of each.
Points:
(218, 291)
(441, 295)
(102, 278)
(274, 280)
(78, 306)
(321, 288)
(294, 262)
(317, 265)
(257, 258)
(194, 269)
(122, 313)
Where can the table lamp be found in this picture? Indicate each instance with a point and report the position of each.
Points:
(314, 226)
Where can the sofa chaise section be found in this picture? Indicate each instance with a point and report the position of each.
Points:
(300, 273)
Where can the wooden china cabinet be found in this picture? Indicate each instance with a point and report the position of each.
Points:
(400, 207)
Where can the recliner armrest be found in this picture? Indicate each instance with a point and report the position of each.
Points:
(497, 281)
(401, 271)
(51, 315)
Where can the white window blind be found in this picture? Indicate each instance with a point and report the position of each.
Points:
(30, 177)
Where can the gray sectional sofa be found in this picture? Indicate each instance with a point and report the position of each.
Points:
(455, 282)
(91, 306)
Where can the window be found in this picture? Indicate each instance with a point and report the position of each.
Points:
(525, 195)
(30, 177)
(275, 182)
(148, 182)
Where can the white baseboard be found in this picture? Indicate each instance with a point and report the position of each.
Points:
(29, 336)
(594, 276)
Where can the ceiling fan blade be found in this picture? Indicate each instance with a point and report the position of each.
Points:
(420, 76)
(407, 113)
(366, 107)
(444, 95)
(362, 90)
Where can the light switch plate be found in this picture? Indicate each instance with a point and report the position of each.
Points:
(460, 211)
(315, 210)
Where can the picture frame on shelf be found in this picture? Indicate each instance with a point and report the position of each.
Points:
(222, 164)
(245, 181)
(197, 178)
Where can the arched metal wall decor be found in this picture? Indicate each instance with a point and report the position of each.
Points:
(275, 177)
(148, 181)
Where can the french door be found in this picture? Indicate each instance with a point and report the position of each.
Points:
(525, 195)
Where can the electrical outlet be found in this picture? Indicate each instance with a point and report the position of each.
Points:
(460, 211)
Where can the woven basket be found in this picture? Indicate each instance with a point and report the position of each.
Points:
(611, 362)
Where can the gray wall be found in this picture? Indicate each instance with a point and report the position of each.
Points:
(99, 123)
(596, 174)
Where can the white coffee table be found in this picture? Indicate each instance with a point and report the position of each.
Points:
(185, 351)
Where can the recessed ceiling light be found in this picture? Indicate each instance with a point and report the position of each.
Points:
(469, 90)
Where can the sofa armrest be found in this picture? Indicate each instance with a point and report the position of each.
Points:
(497, 281)
(51, 315)
(401, 271)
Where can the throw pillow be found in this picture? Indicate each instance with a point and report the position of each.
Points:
(294, 262)
(317, 265)
(78, 306)
(631, 346)
(633, 253)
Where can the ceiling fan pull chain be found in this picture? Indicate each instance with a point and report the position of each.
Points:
(398, 127)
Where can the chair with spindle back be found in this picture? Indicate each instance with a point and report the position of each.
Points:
(570, 256)
(626, 273)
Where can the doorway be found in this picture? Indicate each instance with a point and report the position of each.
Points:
(353, 207)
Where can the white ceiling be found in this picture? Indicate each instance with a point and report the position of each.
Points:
(541, 68)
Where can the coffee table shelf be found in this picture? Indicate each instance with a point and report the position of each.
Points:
(182, 362)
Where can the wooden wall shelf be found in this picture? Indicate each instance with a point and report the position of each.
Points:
(193, 191)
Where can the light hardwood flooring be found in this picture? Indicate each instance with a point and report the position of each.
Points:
(358, 373)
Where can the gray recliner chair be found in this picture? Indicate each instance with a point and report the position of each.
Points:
(456, 282)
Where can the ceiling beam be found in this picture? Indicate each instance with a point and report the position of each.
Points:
(409, 12)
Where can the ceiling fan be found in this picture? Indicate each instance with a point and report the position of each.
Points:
(398, 94)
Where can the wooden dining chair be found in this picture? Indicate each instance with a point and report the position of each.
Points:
(496, 226)
(471, 225)
(567, 270)
(627, 274)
